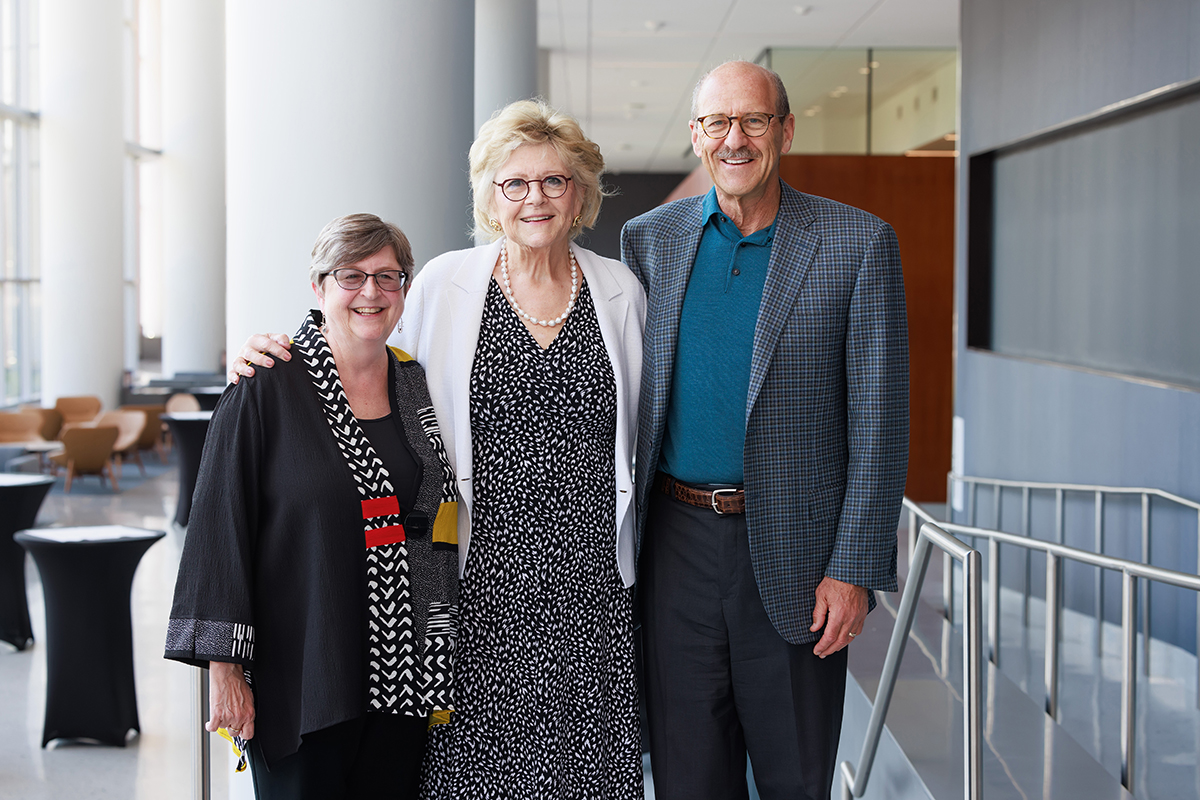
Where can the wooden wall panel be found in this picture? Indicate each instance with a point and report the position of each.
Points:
(915, 195)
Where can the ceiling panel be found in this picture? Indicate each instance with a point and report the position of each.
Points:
(626, 68)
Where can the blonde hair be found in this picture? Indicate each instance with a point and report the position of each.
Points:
(534, 122)
(349, 239)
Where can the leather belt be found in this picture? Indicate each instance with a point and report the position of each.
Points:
(722, 501)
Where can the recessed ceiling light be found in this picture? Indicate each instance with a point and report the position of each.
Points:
(638, 83)
(864, 70)
(654, 25)
(801, 10)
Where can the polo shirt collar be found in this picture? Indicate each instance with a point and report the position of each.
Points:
(716, 218)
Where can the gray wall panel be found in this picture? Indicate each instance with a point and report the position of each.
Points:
(1096, 261)
(1027, 65)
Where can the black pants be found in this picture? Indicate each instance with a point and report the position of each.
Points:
(376, 755)
(721, 682)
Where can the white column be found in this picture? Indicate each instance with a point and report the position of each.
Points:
(336, 108)
(82, 150)
(506, 54)
(193, 165)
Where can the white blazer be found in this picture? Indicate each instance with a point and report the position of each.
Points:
(442, 315)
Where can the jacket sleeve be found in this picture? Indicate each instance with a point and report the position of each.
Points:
(877, 419)
(632, 234)
(211, 616)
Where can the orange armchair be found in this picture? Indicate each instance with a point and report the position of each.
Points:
(20, 426)
(78, 409)
(88, 451)
(129, 425)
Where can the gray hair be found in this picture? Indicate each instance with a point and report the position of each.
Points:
(782, 108)
(534, 122)
(349, 239)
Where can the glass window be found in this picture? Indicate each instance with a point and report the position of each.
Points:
(20, 296)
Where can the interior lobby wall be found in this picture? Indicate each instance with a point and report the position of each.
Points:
(1028, 65)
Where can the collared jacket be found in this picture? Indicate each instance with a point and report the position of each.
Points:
(826, 447)
(442, 315)
(274, 570)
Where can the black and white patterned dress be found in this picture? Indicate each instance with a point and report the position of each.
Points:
(546, 698)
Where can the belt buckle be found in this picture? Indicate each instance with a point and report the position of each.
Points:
(716, 492)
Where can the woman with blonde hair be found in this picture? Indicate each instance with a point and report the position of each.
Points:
(532, 347)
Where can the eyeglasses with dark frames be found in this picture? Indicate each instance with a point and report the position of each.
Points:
(517, 189)
(350, 279)
(718, 126)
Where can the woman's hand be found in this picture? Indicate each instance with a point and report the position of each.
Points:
(258, 349)
(230, 701)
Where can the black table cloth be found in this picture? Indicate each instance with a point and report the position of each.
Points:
(188, 429)
(20, 498)
(207, 396)
(87, 574)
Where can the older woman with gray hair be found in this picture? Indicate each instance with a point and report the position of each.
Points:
(319, 576)
(532, 347)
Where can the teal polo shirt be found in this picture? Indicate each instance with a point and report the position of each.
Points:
(706, 418)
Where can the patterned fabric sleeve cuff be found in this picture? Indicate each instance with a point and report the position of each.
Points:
(210, 640)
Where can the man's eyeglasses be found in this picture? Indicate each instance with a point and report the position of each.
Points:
(350, 279)
(717, 126)
(517, 189)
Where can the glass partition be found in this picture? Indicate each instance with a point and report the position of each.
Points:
(873, 102)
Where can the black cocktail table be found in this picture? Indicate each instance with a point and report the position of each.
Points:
(20, 498)
(189, 429)
(87, 574)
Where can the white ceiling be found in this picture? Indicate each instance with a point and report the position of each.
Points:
(626, 68)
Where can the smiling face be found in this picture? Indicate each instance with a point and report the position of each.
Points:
(742, 167)
(366, 314)
(537, 221)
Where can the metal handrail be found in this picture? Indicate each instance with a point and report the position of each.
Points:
(1130, 571)
(1100, 492)
(932, 536)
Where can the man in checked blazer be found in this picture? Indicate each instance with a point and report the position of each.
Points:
(771, 458)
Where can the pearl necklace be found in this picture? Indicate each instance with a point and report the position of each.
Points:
(548, 323)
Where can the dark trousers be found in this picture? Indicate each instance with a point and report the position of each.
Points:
(376, 755)
(720, 681)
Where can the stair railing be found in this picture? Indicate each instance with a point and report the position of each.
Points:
(1060, 490)
(931, 535)
(1131, 572)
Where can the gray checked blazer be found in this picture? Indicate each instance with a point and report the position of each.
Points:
(827, 411)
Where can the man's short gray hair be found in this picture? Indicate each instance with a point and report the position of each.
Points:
(782, 108)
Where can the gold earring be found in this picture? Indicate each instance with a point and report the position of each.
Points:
(494, 225)
(578, 219)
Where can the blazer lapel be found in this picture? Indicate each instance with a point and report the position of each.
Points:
(681, 239)
(792, 254)
(468, 290)
(611, 307)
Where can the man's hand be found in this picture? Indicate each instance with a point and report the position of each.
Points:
(231, 703)
(841, 610)
(258, 349)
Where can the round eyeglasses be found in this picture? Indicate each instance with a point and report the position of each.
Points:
(517, 189)
(718, 126)
(350, 279)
